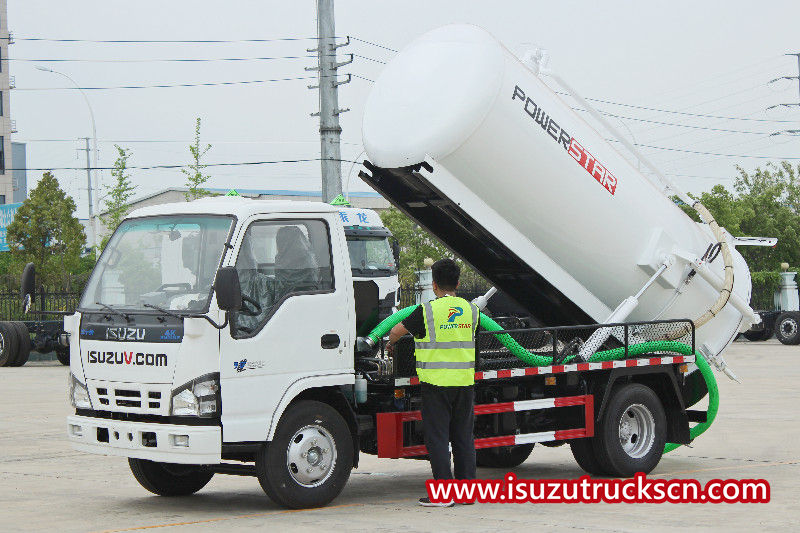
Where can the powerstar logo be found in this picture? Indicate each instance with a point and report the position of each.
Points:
(127, 358)
(454, 313)
(582, 156)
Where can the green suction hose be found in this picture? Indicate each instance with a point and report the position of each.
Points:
(533, 359)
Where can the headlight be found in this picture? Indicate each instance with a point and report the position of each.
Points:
(199, 397)
(78, 394)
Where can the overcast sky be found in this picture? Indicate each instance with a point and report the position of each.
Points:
(709, 58)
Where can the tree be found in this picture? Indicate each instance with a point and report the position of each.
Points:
(764, 203)
(46, 231)
(119, 193)
(194, 171)
(416, 244)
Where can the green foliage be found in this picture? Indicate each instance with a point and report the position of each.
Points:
(764, 286)
(416, 244)
(46, 231)
(194, 171)
(765, 203)
(119, 194)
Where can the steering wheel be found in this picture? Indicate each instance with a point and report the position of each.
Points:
(252, 302)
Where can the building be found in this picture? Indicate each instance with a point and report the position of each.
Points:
(7, 126)
(19, 174)
(366, 200)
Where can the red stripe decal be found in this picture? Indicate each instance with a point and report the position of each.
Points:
(491, 408)
(478, 375)
(558, 368)
(531, 371)
(655, 360)
(677, 359)
(583, 366)
(607, 364)
(490, 442)
(414, 381)
(631, 362)
(562, 434)
(504, 373)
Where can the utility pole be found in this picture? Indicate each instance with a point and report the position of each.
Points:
(89, 189)
(793, 104)
(329, 111)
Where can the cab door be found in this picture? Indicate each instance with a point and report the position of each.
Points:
(297, 320)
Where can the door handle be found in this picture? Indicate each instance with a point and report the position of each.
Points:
(330, 341)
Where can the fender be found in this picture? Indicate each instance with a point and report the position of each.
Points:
(300, 385)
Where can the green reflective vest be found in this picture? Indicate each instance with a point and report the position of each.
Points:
(446, 355)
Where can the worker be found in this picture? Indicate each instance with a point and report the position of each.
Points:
(444, 347)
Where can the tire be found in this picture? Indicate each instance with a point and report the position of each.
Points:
(24, 339)
(62, 354)
(787, 327)
(166, 479)
(286, 469)
(583, 452)
(644, 431)
(755, 336)
(9, 344)
(503, 457)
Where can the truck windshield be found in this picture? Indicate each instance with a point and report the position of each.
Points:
(371, 256)
(167, 261)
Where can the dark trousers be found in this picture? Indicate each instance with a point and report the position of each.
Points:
(448, 416)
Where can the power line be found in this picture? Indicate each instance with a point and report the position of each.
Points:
(371, 43)
(156, 60)
(748, 156)
(167, 85)
(153, 167)
(362, 78)
(161, 41)
(677, 124)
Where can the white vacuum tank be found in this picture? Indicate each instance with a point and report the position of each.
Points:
(514, 156)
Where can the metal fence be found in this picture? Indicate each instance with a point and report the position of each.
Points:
(408, 295)
(11, 304)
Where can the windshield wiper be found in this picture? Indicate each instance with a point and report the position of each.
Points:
(115, 311)
(165, 311)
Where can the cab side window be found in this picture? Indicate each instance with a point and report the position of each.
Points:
(278, 260)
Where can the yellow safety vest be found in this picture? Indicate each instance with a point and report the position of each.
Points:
(446, 355)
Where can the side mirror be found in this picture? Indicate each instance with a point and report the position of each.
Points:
(28, 286)
(229, 292)
(396, 252)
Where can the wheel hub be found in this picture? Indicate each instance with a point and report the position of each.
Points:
(637, 430)
(789, 327)
(311, 456)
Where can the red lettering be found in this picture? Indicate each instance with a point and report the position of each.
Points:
(128, 357)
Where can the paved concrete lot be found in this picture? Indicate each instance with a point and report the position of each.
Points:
(45, 486)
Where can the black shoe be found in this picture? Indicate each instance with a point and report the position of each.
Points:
(426, 502)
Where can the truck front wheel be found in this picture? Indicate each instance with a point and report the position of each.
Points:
(503, 457)
(167, 479)
(632, 432)
(310, 458)
(787, 327)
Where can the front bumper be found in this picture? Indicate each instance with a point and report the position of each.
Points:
(156, 442)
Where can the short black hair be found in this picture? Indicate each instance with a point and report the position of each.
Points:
(445, 274)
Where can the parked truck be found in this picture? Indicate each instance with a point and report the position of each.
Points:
(222, 335)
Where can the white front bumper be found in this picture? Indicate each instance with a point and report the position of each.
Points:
(127, 439)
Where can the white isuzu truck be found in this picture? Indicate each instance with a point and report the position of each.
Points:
(226, 335)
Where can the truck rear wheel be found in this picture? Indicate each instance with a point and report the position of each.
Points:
(168, 479)
(503, 457)
(584, 455)
(787, 327)
(310, 458)
(9, 344)
(24, 339)
(632, 432)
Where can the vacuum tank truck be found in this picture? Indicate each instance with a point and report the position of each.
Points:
(223, 335)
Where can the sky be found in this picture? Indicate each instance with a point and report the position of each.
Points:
(655, 65)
